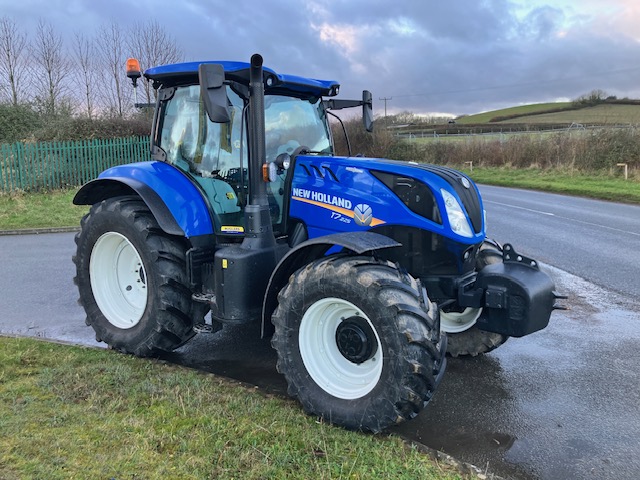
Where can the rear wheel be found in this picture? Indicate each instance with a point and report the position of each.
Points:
(464, 337)
(132, 279)
(358, 342)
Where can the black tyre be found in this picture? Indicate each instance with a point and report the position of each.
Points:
(464, 337)
(132, 279)
(358, 342)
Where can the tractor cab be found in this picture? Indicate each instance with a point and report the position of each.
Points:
(217, 154)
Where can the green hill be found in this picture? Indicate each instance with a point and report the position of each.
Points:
(606, 113)
(486, 117)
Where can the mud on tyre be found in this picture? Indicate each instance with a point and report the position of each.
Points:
(358, 342)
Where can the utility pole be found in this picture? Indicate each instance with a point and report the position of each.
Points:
(385, 99)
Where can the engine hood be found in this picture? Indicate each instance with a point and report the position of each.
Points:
(434, 176)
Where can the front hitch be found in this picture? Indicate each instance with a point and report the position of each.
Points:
(518, 296)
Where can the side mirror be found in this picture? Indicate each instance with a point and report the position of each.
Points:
(213, 93)
(367, 110)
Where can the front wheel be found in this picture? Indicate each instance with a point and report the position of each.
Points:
(132, 279)
(464, 336)
(358, 342)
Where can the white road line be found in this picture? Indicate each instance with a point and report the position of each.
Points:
(521, 208)
(602, 226)
(565, 218)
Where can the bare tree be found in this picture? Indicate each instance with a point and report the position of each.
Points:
(85, 53)
(152, 45)
(110, 44)
(53, 68)
(13, 59)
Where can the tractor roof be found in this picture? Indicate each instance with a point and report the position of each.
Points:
(275, 83)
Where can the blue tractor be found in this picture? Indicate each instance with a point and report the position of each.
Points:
(359, 268)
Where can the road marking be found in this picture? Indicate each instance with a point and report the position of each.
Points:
(565, 218)
(602, 226)
(521, 208)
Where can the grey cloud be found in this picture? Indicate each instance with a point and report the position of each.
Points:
(458, 57)
(542, 23)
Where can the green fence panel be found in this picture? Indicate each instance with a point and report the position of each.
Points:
(4, 153)
(62, 164)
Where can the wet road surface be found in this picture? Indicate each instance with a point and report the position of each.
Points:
(561, 403)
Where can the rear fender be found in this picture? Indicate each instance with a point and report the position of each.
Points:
(174, 200)
(306, 252)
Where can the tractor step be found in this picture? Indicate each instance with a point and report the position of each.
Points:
(204, 328)
(209, 298)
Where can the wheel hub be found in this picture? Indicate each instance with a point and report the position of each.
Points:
(355, 340)
(456, 322)
(323, 346)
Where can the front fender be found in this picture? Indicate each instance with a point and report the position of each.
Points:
(172, 197)
(306, 252)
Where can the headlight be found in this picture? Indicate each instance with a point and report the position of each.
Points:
(457, 218)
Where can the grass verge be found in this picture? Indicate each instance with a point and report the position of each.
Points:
(40, 210)
(72, 412)
(558, 181)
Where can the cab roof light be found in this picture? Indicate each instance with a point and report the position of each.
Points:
(133, 70)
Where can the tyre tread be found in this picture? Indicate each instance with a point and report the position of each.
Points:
(172, 322)
(421, 355)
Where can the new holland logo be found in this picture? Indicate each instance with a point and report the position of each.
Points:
(341, 208)
(363, 215)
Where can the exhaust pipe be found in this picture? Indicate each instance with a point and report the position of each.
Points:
(257, 188)
(258, 229)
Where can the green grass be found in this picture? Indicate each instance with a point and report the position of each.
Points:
(604, 114)
(598, 115)
(601, 187)
(39, 210)
(72, 412)
(485, 117)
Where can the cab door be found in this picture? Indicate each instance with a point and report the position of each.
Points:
(215, 155)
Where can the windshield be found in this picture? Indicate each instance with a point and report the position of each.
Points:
(190, 140)
(292, 122)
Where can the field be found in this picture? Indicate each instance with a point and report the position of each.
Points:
(606, 114)
(560, 113)
(486, 117)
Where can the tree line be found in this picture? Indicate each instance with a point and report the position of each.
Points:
(46, 75)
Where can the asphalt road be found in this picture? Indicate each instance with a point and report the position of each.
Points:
(561, 403)
(596, 240)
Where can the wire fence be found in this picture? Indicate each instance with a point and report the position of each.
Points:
(55, 165)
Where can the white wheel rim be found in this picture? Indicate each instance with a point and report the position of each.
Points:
(456, 322)
(118, 280)
(334, 373)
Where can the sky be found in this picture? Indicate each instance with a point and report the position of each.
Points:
(424, 56)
